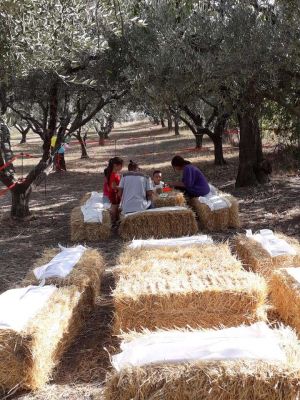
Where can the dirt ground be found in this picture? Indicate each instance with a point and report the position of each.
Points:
(82, 370)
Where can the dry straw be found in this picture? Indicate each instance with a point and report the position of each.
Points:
(214, 380)
(86, 274)
(199, 298)
(217, 220)
(169, 199)
(178, 259)
(158, 225)
(29, 357)
(254, 256)
(91, 232)
(285, 297)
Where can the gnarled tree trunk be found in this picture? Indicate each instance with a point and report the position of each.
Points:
(162, 122)
(20, 202)
(217, 139)
(81, 141)
(176, 124)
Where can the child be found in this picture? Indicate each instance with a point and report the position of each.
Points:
(157, 180)
(112, 174)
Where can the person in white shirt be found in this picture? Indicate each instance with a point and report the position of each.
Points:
(136, 190)
(157, 180)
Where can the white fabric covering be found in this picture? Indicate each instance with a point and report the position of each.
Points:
(158, 210)
(255, 342)
(182, 242)
(62, 264)
(213, 189)
(93, 209)
(294, 272)
(214, 201)
(19, 306)
(271, 243)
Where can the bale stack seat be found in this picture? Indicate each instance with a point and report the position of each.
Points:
(205, 298)
(158, 223)
(86, 275)
(169, 199)
(28, 354)
(256, 257)
(285, 295)
(217, 220)
(226, 378)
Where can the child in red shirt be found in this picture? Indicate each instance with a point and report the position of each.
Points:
(112, 175)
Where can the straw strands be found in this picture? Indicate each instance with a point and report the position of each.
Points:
(214, 380)
(253, 255)
(159, 224)
(27, 358)
(285, 297)
(86, 274)
(169, 199)
(217, 220)
(196, 298)
(92, 232)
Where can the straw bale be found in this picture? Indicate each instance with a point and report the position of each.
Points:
(217, 220)
(285, 297)
(169, 199)
(158, 225)
(85, 198)
(92, 232)
(214, 380)
(177, 259)
(27, 358)
(253, 255)
(86, 274)
(201, 298)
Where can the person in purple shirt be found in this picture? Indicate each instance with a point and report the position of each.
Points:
(194, 183)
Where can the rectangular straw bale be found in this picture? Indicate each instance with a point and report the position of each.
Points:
(158, 225)
(254, 256)
(285, 297)
(202, 298)
(217, 220)
(86, 274)
(169, 199)
(91, 232)
(27, 358)
(177, 259)
(213, 380)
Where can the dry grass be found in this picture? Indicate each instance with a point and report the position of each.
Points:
(177, 259)
(169, 199)
(285, 297)
(29, 357)
(162, 224)
(199, 298)
(215, 380)
(92, 232)
(86, 274)
(217, 220)
(254, 256)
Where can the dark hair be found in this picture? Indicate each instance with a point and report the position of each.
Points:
(156, 172)
(179, 161)
(109, 169)
(132, 166)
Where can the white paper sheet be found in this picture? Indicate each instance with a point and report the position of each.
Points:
(294, 272)
(214, 201)
(19, 306)
(182, 242)
(157, 210)
(255, 342)
(271, 243)
(93, 208)
(62, 264)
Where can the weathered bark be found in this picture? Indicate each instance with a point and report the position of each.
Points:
(162, 122)
(252, 166)
(217, 139)
(20, 202)
(169, 119)
(101, 138)
(199, 139)
(81, 141)
(176, 124)
(24, 134)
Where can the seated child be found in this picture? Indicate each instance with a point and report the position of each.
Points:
(157, 180)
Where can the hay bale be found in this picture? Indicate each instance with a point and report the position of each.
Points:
(212, 379)
(170, 260)
(28, 357)
(161, 223)
(85, 198)
(169, 199)
(86, 274)
(92, 232)
(285, 297)
(217, 220)
(254, 256)
(198, 298)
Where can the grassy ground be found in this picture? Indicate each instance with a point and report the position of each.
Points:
(83, 368)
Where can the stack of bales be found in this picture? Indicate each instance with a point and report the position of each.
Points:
(169, 199)
(158, 223)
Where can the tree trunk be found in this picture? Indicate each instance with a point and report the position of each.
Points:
(156, 121)
(176, 125)
(162, 122)
(101, 138)
(20, 202)
(24, 136)
(199, 139)
(251, 164)
(170, 123)
(217, 138)
(84, 153)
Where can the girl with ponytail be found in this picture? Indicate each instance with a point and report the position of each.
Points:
(112, 178)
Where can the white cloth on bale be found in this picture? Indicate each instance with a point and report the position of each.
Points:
(271, 243)
(62, 264)
(93, 208)
(294, 272)
(181, 242)
(19, 306)
(255, 342)
(157, 210)
(214, 200)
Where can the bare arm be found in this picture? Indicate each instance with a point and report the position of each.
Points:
(149, 194)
